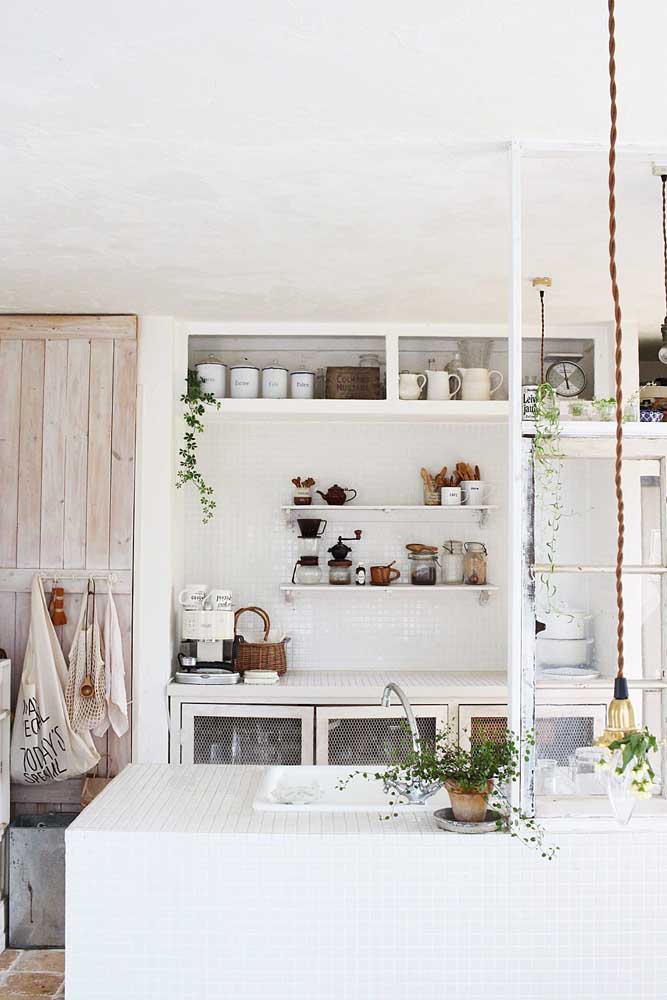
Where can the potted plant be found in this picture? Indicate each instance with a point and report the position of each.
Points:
(475, 778)
(604, 408)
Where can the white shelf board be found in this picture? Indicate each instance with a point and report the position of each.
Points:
(448, 411)
(387, 507)
(402, 589)
(601, 429)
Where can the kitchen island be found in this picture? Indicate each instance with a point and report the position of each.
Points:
(177, 888)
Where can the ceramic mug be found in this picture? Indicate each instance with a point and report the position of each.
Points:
(450, 496)
(382, 576)
(192, 596)
(475, 492)
(410, 385)
(244, 382)
(438, 384)
(303, 385)
(476, 383)
(218, 600)
(274, 383)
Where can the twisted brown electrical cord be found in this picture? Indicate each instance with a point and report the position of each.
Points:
(542, 340)
(618, 356)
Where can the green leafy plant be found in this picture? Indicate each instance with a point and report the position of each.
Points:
(471, 769)
(632, 751)
(195, 402)
(548, 467)
(604, 407)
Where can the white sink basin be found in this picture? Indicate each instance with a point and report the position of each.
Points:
(321, 784)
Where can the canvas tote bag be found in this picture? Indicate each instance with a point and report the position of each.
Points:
(114, 671)
(45, 748)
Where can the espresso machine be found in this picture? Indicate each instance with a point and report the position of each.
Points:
(205, 655)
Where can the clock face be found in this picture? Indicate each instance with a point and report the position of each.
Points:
(567, 378)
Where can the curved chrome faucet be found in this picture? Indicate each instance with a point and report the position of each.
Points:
(407, 708)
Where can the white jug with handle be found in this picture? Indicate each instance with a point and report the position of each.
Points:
(410, 385)
(438, 384)
(476, 383)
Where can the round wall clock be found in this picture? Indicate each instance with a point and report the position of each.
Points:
(567, 378)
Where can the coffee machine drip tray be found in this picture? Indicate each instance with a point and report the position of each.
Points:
(207, 675)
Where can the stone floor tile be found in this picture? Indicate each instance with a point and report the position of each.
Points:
(8, 957)
(32, 984)
(41, 961)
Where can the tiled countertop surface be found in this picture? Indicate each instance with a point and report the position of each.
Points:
(199, 799)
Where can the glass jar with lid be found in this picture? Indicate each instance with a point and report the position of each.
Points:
(423, 568)
(307, 570)
(452, 561)
(340, 571)
(474, 564)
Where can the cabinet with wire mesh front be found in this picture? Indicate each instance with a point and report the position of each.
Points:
(246, 734)
(363, 735)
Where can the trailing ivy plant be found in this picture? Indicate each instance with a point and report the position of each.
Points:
(486, 760)
(548, 466)
(195, 402)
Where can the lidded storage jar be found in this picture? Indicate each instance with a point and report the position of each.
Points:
(452, 562)
(423, 568)
(340, 571)
(474, 564)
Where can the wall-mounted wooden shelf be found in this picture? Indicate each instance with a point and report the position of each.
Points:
(401, 590)
(448, 411)
(395, 512)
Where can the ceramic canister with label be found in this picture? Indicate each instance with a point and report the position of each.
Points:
(303, 385)
(212, 374)
(244, 382)
(274, 383)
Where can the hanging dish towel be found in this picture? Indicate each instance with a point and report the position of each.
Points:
(85, 692)
(45, 747)
(114, 671)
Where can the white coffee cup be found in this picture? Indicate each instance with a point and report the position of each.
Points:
(303, 385)
(450, 496)
(475, 492)
(192, 596)
(410, 385)
(274, 383)
(244, 382)
(439, 384)
(218, 600)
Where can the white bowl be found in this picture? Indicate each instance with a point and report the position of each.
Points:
(562, 652)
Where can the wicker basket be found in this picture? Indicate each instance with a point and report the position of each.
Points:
(258, 655)
(353, 383)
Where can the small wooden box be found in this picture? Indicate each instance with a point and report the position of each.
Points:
(353, 383)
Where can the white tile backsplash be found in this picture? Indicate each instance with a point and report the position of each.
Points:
(249, 548)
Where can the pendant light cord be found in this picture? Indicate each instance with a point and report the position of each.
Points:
(542, 318)
(664, 234)
(618, 356)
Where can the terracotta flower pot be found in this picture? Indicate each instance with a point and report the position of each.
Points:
(467, 806)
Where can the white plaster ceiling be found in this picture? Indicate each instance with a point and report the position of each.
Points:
(294, 159)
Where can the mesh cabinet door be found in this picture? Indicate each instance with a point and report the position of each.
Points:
(363, 735)
(246, 734)
(559, 729)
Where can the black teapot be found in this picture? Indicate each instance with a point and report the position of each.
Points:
(340, 550)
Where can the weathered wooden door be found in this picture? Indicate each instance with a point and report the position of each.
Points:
(67, 446)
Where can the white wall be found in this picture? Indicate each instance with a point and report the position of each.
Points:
(249, 548)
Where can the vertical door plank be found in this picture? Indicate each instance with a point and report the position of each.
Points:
(99, 454)
(30, 454)
(76, 453)
(10, 409)
(20, 640)
(53, 454)
(7, 623)
(120, 748)
(122, 454)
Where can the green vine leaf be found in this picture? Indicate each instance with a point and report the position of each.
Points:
(195, 402)
(548, 465)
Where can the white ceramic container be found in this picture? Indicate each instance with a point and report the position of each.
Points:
(213, 377)
(475, 492)
(244, 382)
(450, 496)
(439, 386)
(192, 596)
(302, 385)
(410, 385)
(562, 652)
(476, 383)
(274, 383)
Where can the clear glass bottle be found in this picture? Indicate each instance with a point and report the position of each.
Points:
(452, 562)
(474, 564)
(423, 568)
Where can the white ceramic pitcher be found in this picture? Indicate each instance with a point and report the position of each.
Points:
(410, 385)
(476, 383)
(438, 384)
